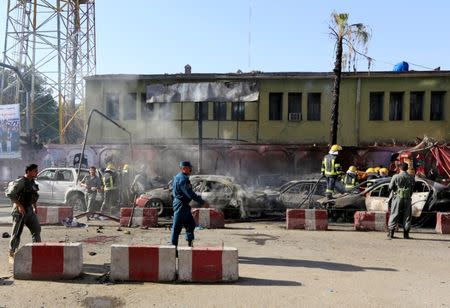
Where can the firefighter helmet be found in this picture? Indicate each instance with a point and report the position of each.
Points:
(110, 166)
(125, 167)
(336, 148)
(352, 169)
(370, 170)
(384, 171)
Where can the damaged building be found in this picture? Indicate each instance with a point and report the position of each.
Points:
(252, 124)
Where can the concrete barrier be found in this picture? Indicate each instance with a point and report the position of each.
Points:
(53, 215)
(371, 221)
(143, 263)
(142, 217)
(48, 261)
(308, 219)
(208, 218)
(443, 222)
(208, 264)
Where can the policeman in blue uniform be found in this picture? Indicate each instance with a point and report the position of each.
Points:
(183, 194)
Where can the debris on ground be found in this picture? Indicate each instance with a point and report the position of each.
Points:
(5, 235)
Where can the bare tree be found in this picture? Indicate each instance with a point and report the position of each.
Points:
(350, 36)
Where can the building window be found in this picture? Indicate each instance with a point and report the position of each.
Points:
(437, 106)
(416, 106)
(396, 106)
(204, 110)
(164, 111)
(146, 109)
(376, 106)
(238, 111)
(220, 111)
(294, 106)
(112, 105)
(314, 106)
(130, 107)
(275, 106)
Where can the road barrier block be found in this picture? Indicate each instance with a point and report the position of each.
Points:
(208, 218)
(443, 222)
(48, 261)
(143, 263)
(53, 215)
(371, 221)
(142, 217)
(208, 264)
(308, 219)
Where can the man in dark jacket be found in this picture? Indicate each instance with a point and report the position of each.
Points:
(24, 195)
(182, 195)
(402, 185)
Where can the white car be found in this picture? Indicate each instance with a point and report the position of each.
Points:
(57, 186)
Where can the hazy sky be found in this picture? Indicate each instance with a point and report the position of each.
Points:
(149, 36)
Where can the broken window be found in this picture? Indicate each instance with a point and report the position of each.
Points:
(314, 106)
(130, 107)
(416, 106)
(294, 106)
(396, 106)
(220, 111)
(238, 111)
(275, 106)
(146, 109)
(376, 106)
(437, 106)
(204, 111)
(112, 105)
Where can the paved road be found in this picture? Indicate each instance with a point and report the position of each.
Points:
(5, 212)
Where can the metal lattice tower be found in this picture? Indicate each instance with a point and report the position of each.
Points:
(52, 43)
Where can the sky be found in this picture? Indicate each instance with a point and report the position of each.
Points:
(157, 37)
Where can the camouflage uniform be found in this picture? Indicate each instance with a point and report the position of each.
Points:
(401, 185)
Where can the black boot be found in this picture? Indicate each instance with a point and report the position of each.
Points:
(190, 244)
(406, 235)
(390, 234)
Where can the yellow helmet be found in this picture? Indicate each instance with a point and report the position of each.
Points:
(384, 171)
(336, 148)
(352, 169)
(110, 166)
(377, 169)
(370, 170)
(125, 167)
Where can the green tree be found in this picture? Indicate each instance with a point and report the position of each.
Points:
(350, 36)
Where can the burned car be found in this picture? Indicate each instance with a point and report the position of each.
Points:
(222, 193)
(428, 197)
(302, 193)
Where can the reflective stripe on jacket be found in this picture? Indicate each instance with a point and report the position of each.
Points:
(330, 167)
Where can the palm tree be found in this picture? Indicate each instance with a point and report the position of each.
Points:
(351, 36)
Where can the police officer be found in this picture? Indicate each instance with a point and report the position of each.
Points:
(401, 185)
(351, 178)
(331, 169)
(92, 184)
(110, 186)
(24, 195)
(182, 194)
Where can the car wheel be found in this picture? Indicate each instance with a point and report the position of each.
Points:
(77, 203)
(156, 203)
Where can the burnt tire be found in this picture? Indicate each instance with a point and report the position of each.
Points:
(156, 203)
(77, 202)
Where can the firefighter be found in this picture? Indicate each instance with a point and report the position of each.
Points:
(401, 185)
(371, 173)
(351, 178)
(110, 187)
(125, 185)
(331, 169)
(384, 172)
(182, 194)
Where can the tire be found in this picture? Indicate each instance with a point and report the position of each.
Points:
(156, 203)
(76, 201)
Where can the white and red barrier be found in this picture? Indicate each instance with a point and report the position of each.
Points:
(53, 215)
(371, 221)
(48, 261)
(308, 219)
(143, 263)
(208, 264)
(443, 222)
(208, 218)
(142, 217)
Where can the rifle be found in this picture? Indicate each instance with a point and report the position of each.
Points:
(132, 211)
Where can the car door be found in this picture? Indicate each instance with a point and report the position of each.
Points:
(64, 180)
(45, 180)
(377, 198)
(419, 197)
(295, 195)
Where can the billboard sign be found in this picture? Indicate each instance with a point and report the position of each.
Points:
(10, 131)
